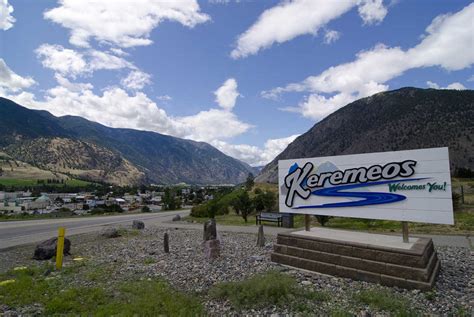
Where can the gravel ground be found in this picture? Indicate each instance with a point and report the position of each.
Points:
(140, 255)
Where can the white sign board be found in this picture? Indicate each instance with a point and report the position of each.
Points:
(410, 185)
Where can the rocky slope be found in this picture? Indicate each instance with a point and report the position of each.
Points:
(403, 119)
(90, 150)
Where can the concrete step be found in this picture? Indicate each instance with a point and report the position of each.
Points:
(369, 257)
(357, 263)
(356, 274)
(416, 256)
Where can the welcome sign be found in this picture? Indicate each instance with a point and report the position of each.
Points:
(410, 185)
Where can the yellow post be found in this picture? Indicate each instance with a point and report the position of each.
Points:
(60, 248)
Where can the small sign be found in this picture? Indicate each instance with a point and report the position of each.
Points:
(410, 185)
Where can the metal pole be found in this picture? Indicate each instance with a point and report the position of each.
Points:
(307, 223)
(60, 248)
(405, 231)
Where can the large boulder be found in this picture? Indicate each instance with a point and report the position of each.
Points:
(176, 218)
(47, 249)
(210, 231)
(110, 232)
(137, 224)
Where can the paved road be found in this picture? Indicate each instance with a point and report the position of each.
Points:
(14, 233)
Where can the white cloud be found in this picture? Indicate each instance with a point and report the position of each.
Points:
(331, 36)
(136, 80)
(372, 11)
(164, 98)
(69, 62)
(117, 108)
(254, 155)
(61, 60)
(226, 95)
(12, 82)
(471, 78)
(6, 18)
(448, 44)
(121, 23)
(290, 19)
(455, 85)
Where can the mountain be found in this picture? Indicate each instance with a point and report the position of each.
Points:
(85, 149)
(403, 119)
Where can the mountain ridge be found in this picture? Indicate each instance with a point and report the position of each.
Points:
(160, 158)
(402, 119)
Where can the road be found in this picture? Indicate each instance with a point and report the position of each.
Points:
(14, 233)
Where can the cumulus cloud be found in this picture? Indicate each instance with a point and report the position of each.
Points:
(61, 60)
(115, 107)
(6, 18)
(121, 23)
(12, 82)
(255, 155)
(331, 36)
(372, 11)
(69, 62)
(136, 80)
(290, 19)
(447, 44)
(455, 85)
(226, 95)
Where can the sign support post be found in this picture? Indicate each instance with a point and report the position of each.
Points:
(307, 222)
(405, 231)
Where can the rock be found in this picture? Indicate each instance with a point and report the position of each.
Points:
(176, 218)
(306, 283)
(212, 249)
(110, 232)
(47, 249)
(138, 224)
(260, 237)
(210, 232)
(257, 257)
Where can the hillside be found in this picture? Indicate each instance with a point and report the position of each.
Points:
(404, 119)
(76, 146)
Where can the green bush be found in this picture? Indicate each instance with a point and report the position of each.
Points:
(271, 288)
(146, 209)
(385, 300)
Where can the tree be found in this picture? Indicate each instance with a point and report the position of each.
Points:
(243, 205)
(264, 201)
(249, 182)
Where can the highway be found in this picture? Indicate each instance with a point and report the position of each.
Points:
(13, 233)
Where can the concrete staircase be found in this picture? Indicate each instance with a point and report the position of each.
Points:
(415, 267)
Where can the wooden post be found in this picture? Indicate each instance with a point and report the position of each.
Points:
(405, 231)
(307, 222)
(462, 194)
(60, 248)
(166, 243)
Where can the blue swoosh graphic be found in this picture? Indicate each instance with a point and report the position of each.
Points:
(369, 198)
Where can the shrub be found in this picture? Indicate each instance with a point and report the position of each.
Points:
(271, 288)
(384, 300)
(146, 209)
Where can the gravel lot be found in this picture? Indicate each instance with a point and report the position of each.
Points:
(139, 255)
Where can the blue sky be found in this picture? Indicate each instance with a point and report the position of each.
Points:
(245, 76)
